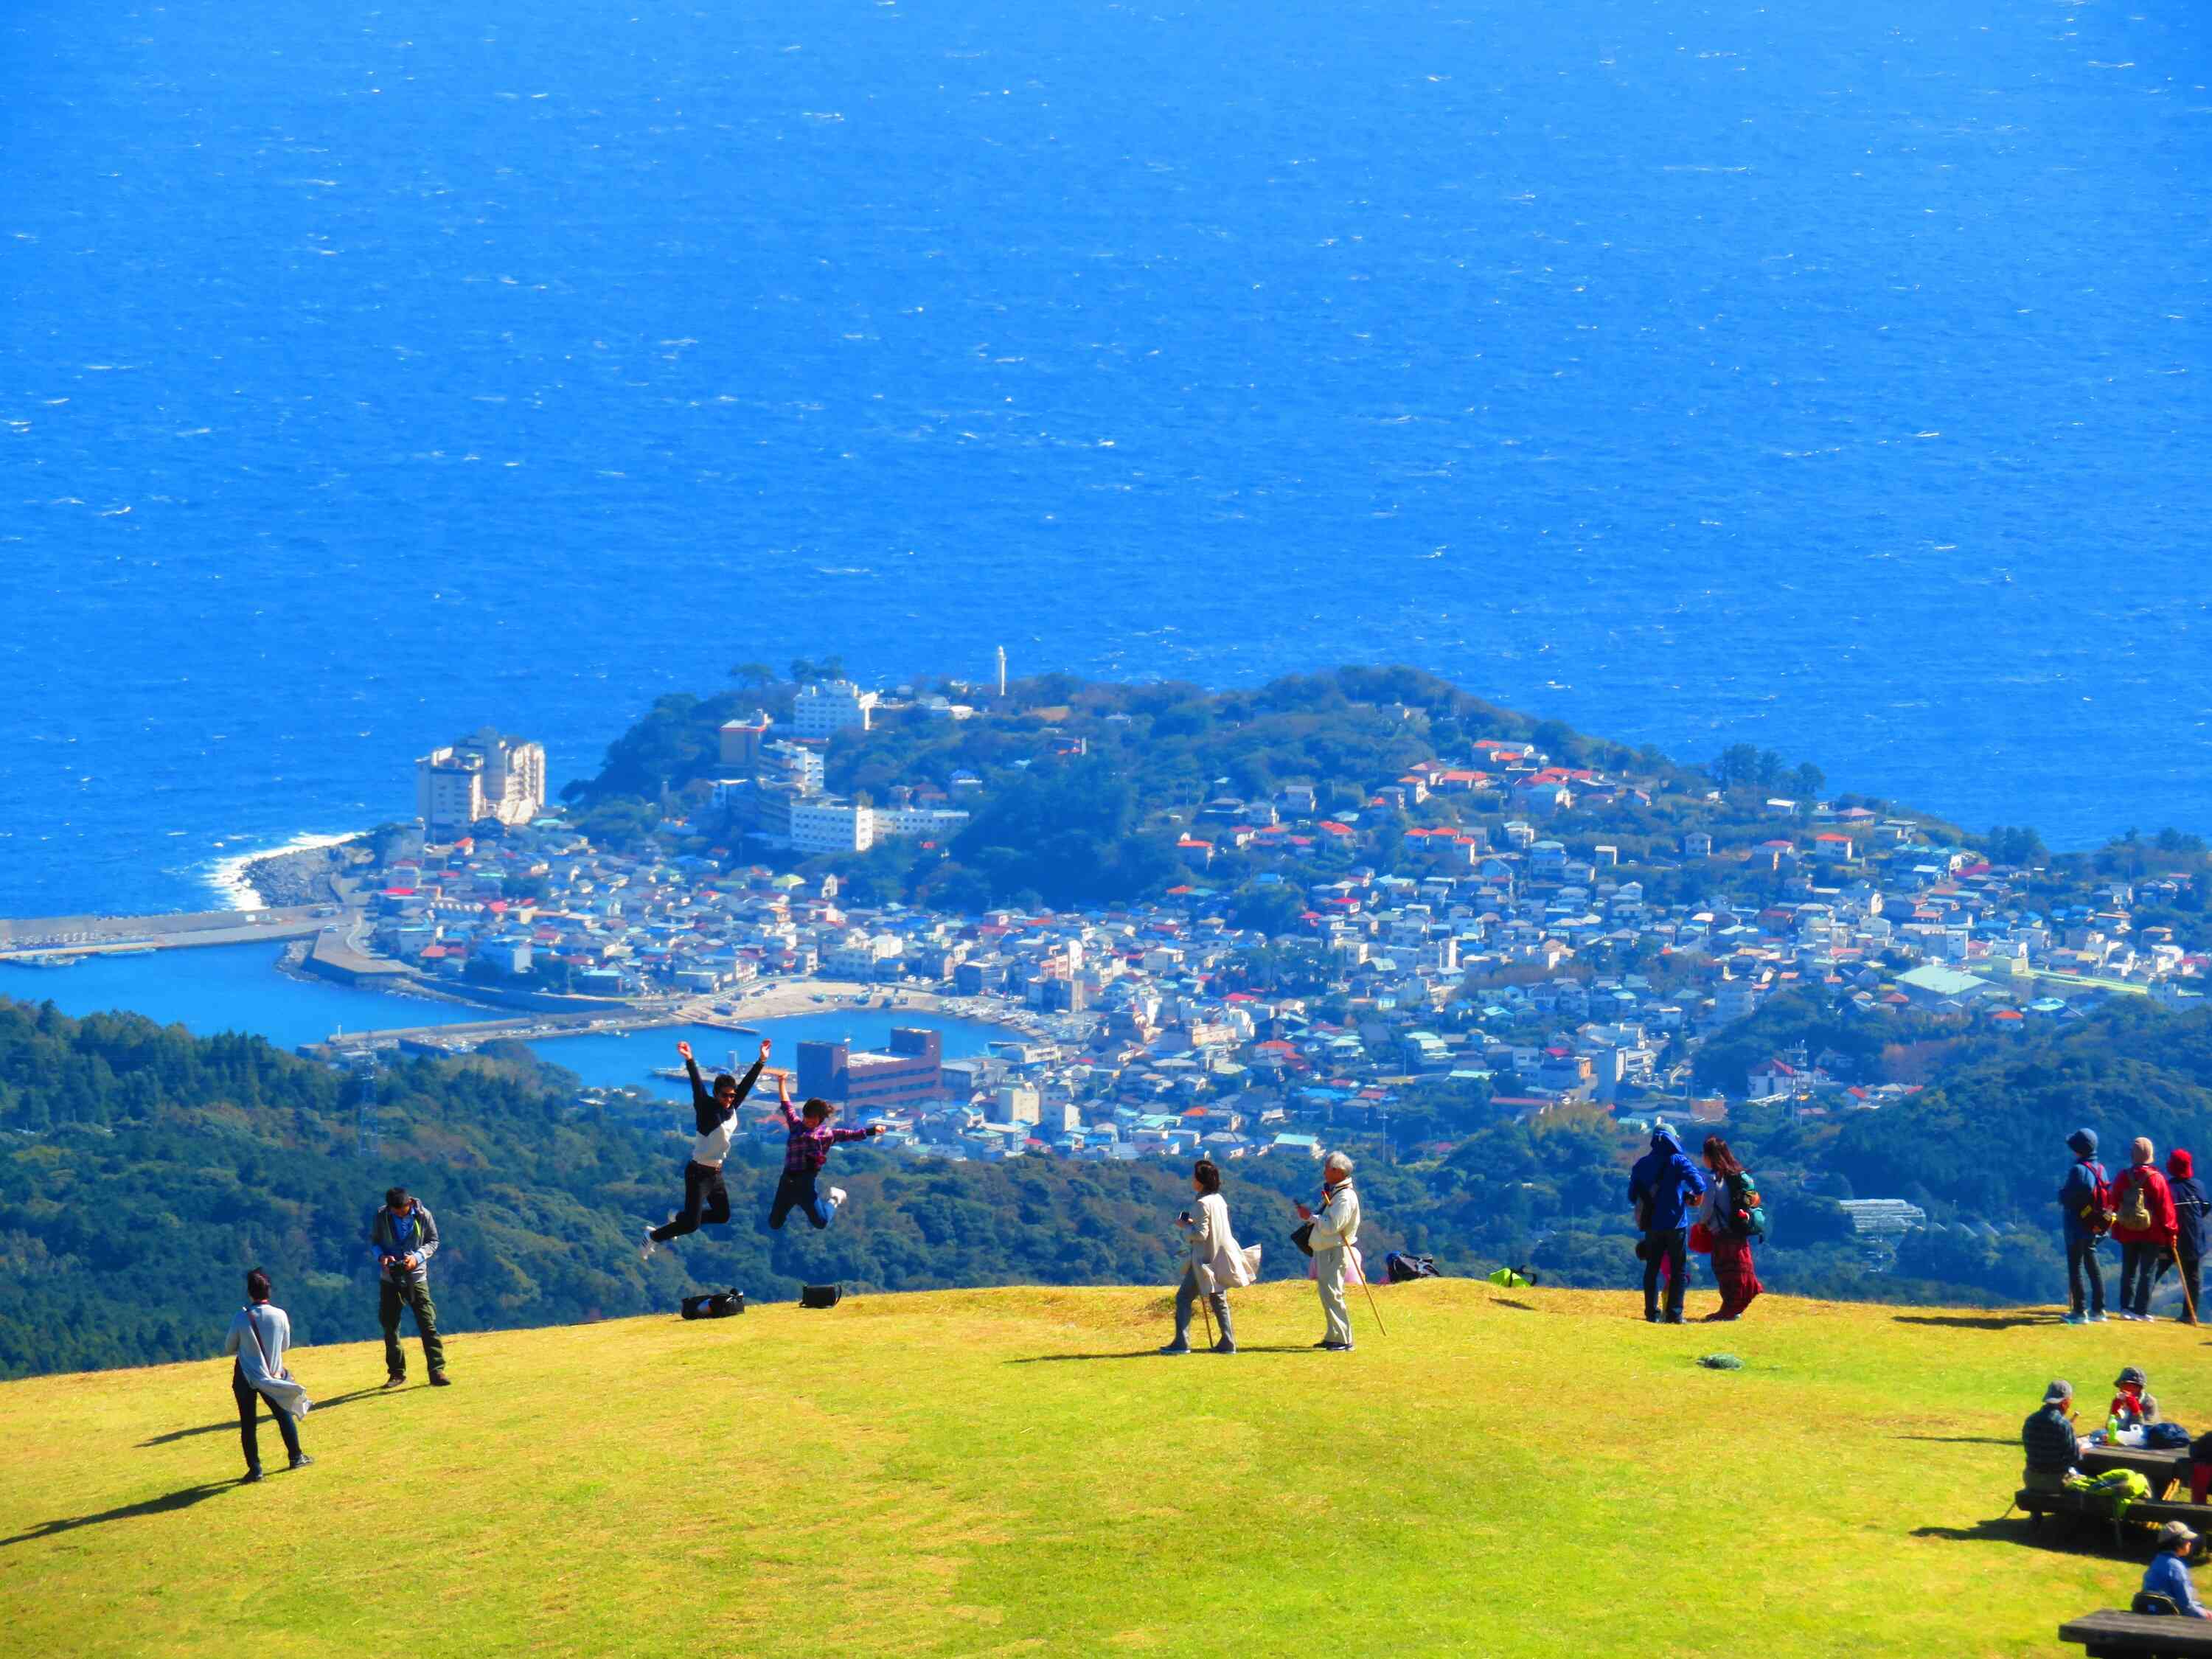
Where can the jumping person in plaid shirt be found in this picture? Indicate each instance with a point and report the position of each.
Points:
(804, 1154)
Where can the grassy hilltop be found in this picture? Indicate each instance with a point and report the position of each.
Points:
(988, 1472)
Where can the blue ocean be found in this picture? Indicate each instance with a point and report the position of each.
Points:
(1835, 379)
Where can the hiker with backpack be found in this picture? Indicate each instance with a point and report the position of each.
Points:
(258, 1337)
(402, 1236)
(1215, 1262)
(2144, 1223)
(2085, 1209)
(1663, 1187)
(2190, 1202)
(1732, 1213)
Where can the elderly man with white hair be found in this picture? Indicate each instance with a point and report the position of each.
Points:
(1335, 1232)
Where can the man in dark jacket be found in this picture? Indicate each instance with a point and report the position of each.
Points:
(2082, 1213)
(1664, 1187)
(2189, 1205)
(402, 1238)
(2049, 1438)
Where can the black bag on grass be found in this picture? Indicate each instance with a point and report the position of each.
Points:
(820, 1295)
(715, 1304)
(1400, 1268)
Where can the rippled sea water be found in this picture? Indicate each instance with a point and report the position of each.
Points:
(1830, 378)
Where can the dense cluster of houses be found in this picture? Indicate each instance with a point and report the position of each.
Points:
(1505, 955)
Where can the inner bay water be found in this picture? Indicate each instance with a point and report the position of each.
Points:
(1829, 378)
(236, 989)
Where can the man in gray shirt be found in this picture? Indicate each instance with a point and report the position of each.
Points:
(402, 1238)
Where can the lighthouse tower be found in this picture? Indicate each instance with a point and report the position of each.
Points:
(1002, 670)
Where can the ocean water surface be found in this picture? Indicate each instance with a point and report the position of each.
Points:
(1832, 378)
(234, 987)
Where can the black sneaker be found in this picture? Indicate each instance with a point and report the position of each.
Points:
(1225, 1346)
(1176, 1348)
(249, 1477)
(302, 1461)
(439, 1380)
(1675, 1318)
(1337, 1347)
(397, 1380)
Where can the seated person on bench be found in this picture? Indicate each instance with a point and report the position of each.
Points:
(2165, 1586)
(2049, 1438)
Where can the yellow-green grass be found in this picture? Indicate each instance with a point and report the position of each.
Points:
(1526, 1472)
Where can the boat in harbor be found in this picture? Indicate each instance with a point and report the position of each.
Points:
(48, 960)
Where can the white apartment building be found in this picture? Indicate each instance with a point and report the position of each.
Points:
(830, 826)
(823, 708)
(484, 775)
(919, 821)
(1018, 1105)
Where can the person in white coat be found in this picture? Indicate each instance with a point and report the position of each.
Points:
(258, 1337)
(1215, 1264)
(1336, 1235)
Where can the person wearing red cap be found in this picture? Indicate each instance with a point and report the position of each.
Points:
(2190, 1203)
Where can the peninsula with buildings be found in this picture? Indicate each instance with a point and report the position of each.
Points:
(1242, 921)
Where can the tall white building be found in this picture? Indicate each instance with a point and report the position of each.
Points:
(484, 775)
(825, 708)
(831, 826)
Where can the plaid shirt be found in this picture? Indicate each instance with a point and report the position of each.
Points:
(808, 1149)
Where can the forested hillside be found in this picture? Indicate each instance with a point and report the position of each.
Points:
(142, 1169)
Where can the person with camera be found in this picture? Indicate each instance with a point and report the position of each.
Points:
(1216, 1263)
(402, 1236)
(1336, 1235)
(258, 1338)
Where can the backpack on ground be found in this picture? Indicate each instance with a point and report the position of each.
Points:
(820, 1295)
(1746, 1215)
(1399, 1268)
(715, 1304)
(2134, 1211)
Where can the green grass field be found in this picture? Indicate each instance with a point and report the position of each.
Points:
(991, 1472)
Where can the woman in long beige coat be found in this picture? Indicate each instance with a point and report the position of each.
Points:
(1215, 1264)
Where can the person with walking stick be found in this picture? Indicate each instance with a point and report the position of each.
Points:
(1335, 1231)
(1217, 1263)
(2190, 1203)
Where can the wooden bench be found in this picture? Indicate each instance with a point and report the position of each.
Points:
(2114, 1633)
(2090, 1506)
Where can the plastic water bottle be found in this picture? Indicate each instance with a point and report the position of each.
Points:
(2113, 1430)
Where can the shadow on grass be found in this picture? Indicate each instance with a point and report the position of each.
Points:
(1963, 1439)
(1154, 1353)
(181, 1499)
(1507, 1302)
(1979, 1321)
(230, 1424)
(2005, 1529)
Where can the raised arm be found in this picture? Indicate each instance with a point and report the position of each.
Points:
(752, 1074)
(701, 1103)
(783, 1102)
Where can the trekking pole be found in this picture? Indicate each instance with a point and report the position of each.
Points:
(1369, 1288)
(1205, 1308)
(2182, 1274)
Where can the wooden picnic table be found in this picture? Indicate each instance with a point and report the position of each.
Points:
(2159, 1465)
(2115, 1634)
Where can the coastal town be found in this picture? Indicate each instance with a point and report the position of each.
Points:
(1508, 959)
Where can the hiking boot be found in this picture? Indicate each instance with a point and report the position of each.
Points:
(1176, 1348)
(1650, 1316)
(1225, 1346)
(439, 1380)
(249, 1477)
(302, 1461)
(397, 1380)
(2074, 1319)
(1673, 1317)
(2097, 1318)
(1337, 1347)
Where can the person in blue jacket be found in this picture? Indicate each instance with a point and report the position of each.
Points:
(2078, 1209)
(1664, 1187)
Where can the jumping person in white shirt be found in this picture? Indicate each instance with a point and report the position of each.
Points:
(705, 1197)
(1335, 1233)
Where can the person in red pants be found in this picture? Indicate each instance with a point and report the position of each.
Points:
(1730, 1212)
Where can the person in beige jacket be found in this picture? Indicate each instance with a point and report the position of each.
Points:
(1215, 1265)
(1335, 1237)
